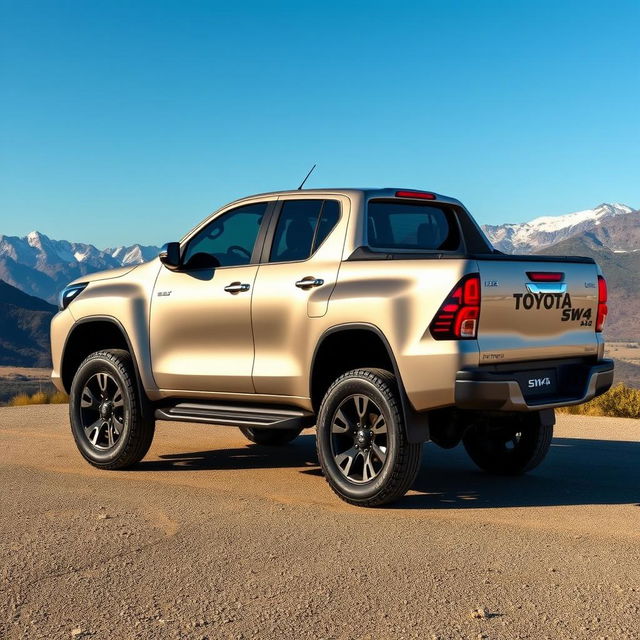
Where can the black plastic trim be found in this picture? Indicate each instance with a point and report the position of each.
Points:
(366, 253)
(492, 387)
(118, 324)
(234, 414)
(505, 257)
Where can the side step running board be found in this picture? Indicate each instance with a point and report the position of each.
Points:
(257, 417)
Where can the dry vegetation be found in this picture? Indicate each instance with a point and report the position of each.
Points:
(619, 402)
(41, 397)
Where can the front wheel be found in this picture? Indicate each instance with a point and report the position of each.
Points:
(362, 444)
(517, 446)
(110, 422)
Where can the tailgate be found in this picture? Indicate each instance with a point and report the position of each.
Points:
(525, 315)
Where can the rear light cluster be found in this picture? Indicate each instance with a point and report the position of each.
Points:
(602, 304)
(545, 276)
(457, 317)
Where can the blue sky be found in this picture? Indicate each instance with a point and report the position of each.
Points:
(126, 122)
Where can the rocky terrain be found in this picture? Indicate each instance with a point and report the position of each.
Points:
(212, 537)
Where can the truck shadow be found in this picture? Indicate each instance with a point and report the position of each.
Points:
(575, 472)
(252, 456)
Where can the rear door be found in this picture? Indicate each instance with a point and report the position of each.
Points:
(299, 269)
(537, 310)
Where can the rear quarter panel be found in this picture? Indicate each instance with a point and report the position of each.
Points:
(400, 298)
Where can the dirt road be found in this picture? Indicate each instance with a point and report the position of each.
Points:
(211, 537)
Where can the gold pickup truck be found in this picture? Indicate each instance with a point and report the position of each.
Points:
(382, 316)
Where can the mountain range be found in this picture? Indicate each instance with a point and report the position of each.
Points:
(608, 222)
(24, 328)
(608, 233)
(41, 267)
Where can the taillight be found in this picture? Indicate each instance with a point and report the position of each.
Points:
(457, 317)
(602, 303)
(420, 195)
(545, 276)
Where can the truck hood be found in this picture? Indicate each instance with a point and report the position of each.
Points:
(105, 275)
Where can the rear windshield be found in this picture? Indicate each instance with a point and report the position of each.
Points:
(392, 224)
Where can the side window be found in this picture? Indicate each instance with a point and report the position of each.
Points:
(229, 238)
(302, 227)
(329, 217)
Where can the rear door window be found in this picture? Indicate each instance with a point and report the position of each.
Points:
(408, 226)
(302, 227)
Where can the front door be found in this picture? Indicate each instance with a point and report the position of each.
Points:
(200, 325)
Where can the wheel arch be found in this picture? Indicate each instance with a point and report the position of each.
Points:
(91, 334)
(355, 336)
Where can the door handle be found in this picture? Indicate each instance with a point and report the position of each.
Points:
(237, 287)
(546, 287)
(308, 282)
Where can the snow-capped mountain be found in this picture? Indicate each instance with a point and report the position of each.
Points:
(41, 266)
(528, 237)
(135, 254)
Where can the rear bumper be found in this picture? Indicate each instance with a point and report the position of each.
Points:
(504, 387)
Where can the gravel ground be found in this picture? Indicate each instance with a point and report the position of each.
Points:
(211, 537)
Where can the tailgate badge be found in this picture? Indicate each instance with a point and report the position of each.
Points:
(490, 283)
(539, 382)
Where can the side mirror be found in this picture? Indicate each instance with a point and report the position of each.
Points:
(170, 255)
(201, 261)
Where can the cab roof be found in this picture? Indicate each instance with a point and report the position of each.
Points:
(366, 192)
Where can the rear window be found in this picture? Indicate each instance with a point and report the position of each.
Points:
(411, 226)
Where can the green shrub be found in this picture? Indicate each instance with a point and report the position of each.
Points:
(619, 402)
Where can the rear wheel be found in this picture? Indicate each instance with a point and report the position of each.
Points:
(362, 445)
(272, 437)
(512, 449)
(110, 421)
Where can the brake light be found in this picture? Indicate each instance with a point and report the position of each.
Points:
(602, 304)
(457, 318)
(421, 195)
(545, 276)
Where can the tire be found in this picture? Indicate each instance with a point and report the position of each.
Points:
(515, 448)
(359, 423)
(112, 424)
(270, 437)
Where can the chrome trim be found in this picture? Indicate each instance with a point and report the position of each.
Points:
(546, 287)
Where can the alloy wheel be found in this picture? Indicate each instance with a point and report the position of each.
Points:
(359, 439)
(102, 411)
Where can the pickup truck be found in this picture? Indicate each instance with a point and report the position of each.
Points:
(382, 316)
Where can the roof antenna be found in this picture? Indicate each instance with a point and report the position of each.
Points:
(308, 174)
